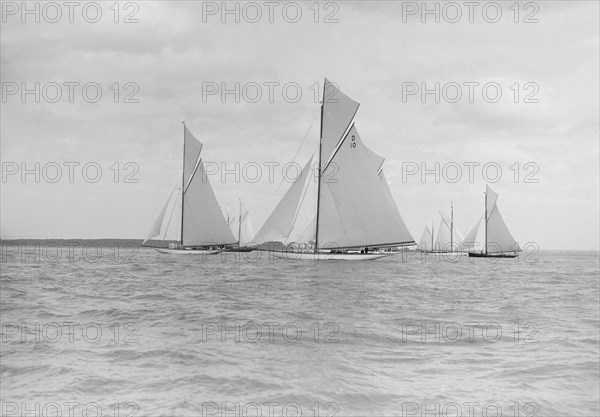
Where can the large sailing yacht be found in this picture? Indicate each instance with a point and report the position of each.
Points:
(354, 214)
(203, 229)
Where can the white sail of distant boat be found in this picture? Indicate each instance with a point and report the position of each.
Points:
(354, 205)
(497, 239)
(470, 240)
(245, 232)
(202, 224)
(449, 237)
(426, 241)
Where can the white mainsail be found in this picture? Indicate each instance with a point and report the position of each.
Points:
(498, 238)
(357, 208)
(426, 239)
(203, 223)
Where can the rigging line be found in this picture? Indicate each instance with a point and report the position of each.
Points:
(270, 206)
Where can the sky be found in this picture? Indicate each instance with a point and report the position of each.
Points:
(76, 164)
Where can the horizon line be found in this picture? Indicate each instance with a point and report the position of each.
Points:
(142, 239)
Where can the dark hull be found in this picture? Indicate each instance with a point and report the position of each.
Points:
(491, 255)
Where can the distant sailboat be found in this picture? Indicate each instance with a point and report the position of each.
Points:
(498, 242)
(426, 241)
(354, 206)
(244, 231)
(203, 228)
(448, 237)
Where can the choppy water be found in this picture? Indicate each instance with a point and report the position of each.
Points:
(388, 339)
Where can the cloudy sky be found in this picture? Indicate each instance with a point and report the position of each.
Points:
(174, 59)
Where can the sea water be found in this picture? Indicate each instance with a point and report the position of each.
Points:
(147, 334)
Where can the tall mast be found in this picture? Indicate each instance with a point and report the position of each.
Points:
(183, 184)
(451, 227)
(240, 224)
(486, 218)
(319, 175)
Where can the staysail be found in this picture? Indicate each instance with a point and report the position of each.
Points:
(278, 226)
(470, 240)
(157, 225)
